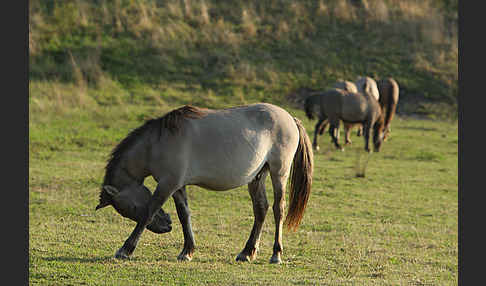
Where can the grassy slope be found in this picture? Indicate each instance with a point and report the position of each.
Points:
(220, 53)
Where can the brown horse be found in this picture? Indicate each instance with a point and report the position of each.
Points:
(352, 108)
(321, 125)
(216, 150)
(389, 90)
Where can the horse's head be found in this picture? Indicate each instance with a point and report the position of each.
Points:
(132, 203)
(378, 133)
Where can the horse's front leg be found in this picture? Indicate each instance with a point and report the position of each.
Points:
(182, 207)
(320, 125)
(159, 197)
(129, 246)
(367, 135)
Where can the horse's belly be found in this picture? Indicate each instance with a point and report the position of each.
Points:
(222, 181)
(221, 185)
(230, 165)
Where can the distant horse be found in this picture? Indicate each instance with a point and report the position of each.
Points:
(216, 150)
(370, 84)
(337, 104)
(388, 101)
(322, 124)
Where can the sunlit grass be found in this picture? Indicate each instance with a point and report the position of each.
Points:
(396, 225)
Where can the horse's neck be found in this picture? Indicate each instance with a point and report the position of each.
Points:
(122, 178)
(131, 169)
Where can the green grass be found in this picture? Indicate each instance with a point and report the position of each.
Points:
(396, 226)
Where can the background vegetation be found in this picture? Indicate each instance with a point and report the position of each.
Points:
(99, 68)
(220, 53)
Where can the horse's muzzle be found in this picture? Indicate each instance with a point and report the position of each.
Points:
(161, 223)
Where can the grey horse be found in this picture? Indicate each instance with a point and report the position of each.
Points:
(216, 150)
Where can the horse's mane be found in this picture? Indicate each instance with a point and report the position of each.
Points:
(171, 122)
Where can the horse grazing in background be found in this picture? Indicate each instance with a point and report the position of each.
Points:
(216, 150)
(352, 108)
(322, 124)
(389, 91)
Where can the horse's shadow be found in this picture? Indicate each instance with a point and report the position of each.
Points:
(79, 259)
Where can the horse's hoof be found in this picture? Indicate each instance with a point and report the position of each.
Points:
(275, 259)
(122, 254)
(184, 257)
(243, 257)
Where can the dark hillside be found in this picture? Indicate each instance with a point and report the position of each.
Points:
(218, 53)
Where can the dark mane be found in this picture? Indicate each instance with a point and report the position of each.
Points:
(171, 122)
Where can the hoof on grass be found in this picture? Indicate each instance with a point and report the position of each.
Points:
(243, 258)
(122, 254)
(184, 257)
(275, 259)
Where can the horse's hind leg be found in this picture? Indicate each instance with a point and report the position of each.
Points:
(333, 129)
(347, 133)
(279, 182)
(258, 196)
(182, 207)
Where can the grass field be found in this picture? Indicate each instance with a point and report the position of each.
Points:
(396, 226)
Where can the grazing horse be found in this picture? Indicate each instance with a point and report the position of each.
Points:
(337, 104)
(322, 124)
(389, 90)
(216, 150)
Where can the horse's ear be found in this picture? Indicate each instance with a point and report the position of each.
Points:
(111, 190)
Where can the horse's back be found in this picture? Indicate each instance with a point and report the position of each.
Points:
(346, 85)
(230, 146)
(341, 104)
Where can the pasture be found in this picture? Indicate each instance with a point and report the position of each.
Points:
(397, 225)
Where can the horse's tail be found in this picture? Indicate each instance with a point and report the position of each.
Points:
(392, 89)
(308, 107)
(300, 179)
